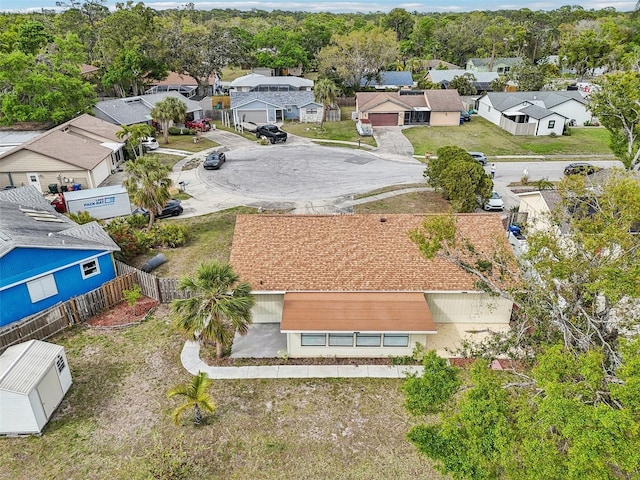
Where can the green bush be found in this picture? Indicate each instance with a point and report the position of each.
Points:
(129, 240)
(181, 131)
(133, 294)
(82, 217)
(170, 235)
(137, 220)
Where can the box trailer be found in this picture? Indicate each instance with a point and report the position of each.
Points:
(102, 202)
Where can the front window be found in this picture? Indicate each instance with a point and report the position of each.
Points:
(41, 288)
(552, 123)
(341, 339)
(90, 268)
(367, 340)
(396, 340)
(313, 339)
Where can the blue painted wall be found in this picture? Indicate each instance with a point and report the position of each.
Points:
(22, 264)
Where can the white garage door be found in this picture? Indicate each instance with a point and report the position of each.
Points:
(255, 116)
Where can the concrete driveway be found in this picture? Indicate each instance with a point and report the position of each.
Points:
(392, 143)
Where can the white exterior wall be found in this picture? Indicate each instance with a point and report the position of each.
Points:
(451, 335)
(16, 414)
(537, 210)
(311, 117)
(488, 112)
(468, 308)
(65, 375)
(268, 307)
(573, 110)
(100, 173)
(296, 350)
(543, 125)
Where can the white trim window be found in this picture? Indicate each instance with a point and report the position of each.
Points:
(312, 111)
(41, 288)
(341, 339)
(313, 340)
(368, 339)
(551, 124)
(395, 340)
(90, 268)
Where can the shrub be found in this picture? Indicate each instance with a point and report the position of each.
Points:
(82, 217)
(128, 239)
(133, 294)
(137, 220)
(181, 131)
(553, 134)
(170, 235)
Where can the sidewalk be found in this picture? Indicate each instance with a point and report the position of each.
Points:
(190, 358)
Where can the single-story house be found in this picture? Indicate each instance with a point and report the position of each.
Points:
(444, 77)
(132, 110)
(500, 65)
(182, 83)
(537, 206)
(81, 151)
(389, 81)
(34, 378)
(534, 113)
(414, 107)
(262, 99)
(435, 64)
(358, 286)
(45, 258)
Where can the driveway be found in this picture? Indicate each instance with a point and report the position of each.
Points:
(392, 143)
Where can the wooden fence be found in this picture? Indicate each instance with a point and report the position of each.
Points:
(61, 316)
(164, 290)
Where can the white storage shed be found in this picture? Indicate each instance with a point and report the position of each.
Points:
(34, 377)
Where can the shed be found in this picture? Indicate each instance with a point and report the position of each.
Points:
(34, 378)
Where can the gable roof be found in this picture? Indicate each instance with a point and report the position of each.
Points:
(444, 100)
(255, 79)
(439, 76)
(28, 220)
(399, 79)
(368, 100)
(504, 100)
(435, 63)
(131, 110)
(478, 62)
(65, 141)
(350, 252)
(537, 112)
(276, 99)
(175, 78)
(22, 366)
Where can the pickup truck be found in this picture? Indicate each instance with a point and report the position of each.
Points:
(272, 133)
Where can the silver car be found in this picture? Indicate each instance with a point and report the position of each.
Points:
(479, 157)
(494, 202)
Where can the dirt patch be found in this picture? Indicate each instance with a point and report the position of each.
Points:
(124, 314)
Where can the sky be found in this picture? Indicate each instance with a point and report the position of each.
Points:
(344, 6)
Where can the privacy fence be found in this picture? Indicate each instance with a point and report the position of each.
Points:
(80, 309)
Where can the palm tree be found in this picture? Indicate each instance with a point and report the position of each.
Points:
(196, 395)
(168, 110)
(326, 93)
(219, 306)
(148, 185)
(134, 135)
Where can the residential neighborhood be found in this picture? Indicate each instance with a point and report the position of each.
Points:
(244, 243)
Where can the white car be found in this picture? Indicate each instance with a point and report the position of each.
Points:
(495, 202)
(150, 143)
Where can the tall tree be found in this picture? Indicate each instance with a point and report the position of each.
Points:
(171, 109)
(400, 21)
(464, 84)
(196, 396)
(279, 48)
(356, 54)
(617, 106)
(219, 305)
(134, 135)
(148, 185)
(584, 47)
(325, 92)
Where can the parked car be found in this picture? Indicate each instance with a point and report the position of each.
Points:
(580, 168)
(214, 161)
(150, 143)
(271, 132)
(171, 209)
(479, 157)
(466, 116)
(202, 124)
(494, 202)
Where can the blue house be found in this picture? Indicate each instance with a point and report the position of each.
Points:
(45, 258)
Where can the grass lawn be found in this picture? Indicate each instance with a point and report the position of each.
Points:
(344, 130)
(185, 142)
(481, 135)
(115, 421)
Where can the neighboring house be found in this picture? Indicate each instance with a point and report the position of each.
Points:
(537, 206)
(444, 77)
(500, 65)
(81, 151)
(357, 286)
(262, 99)
(415, 107)
(275, 72)
(34, 378)
(534, 113)
(436, 64)
(389, 81)
(132, 110)
(184, 84)
(45, 258)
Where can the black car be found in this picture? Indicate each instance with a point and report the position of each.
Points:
(580, 168)
(464, 115)
(271, 133)
(214, 161)
(171, 209)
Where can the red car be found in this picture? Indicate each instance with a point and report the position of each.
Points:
(202, 124)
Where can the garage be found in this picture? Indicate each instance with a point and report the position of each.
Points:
(34, 378)
(255, 116)
(384, 119)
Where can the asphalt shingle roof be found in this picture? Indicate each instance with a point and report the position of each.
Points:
(280, 99)
(131, 110)
(350, 252)
(20, 226)
(399, 79)
(255, 79)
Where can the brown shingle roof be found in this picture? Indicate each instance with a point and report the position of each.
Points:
(444, 100)
(349, 252)
(99, 127)
(369, 100)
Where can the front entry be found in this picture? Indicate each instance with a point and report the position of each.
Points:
(34, 179)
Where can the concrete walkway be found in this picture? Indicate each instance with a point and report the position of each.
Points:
(190, 358)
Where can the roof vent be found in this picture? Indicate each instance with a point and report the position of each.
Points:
(383, 219)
